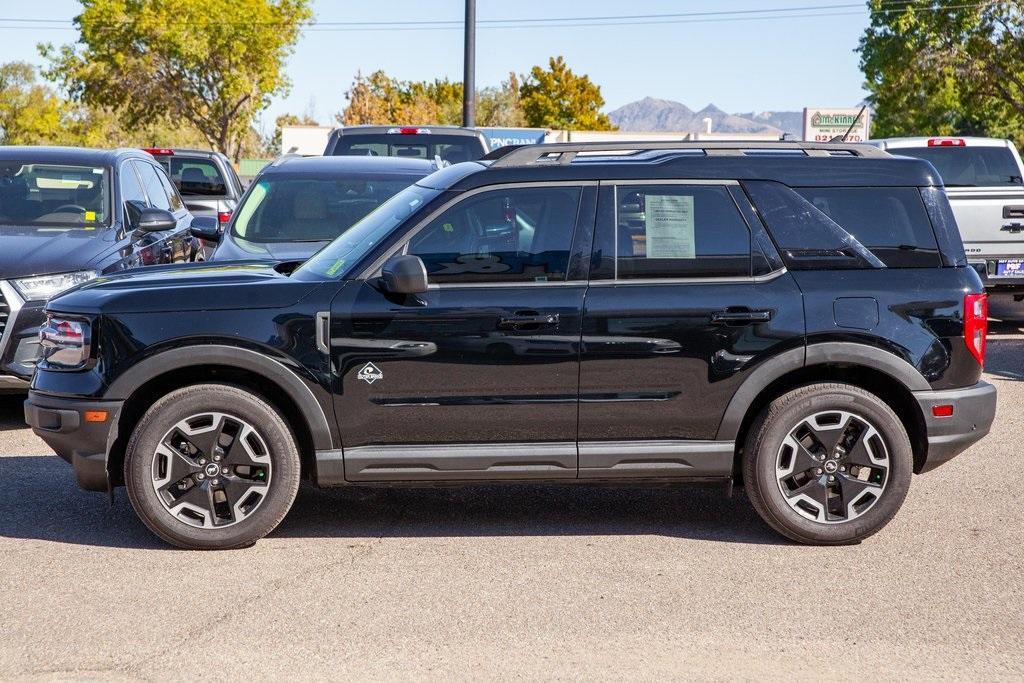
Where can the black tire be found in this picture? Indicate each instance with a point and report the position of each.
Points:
(273, 437)
(764, 454)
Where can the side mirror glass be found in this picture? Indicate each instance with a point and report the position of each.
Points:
(404, 275)
(152, 219)
(206, 228)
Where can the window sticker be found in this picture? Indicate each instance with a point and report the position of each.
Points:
(90, 216)
(668, 221)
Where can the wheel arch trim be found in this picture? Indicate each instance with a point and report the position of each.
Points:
(237, 357)
(823, 353)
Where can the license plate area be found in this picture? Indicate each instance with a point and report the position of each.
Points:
(1010, 267)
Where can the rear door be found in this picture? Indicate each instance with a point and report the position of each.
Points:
(683, 304)
(478, 376)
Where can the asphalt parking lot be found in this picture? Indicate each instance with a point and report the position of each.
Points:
(534, 582)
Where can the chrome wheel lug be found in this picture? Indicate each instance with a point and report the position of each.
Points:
(215, 481)
(818, 471)
(842, 468)
(202, 461)
(200, 476)
(831, 477)
(223, 470)
(216, 458)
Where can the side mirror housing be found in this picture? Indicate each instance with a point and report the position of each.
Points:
(206, 228)
(404, 275)
(152, 219)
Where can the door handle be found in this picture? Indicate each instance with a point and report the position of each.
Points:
(527, 320)
(740, 317)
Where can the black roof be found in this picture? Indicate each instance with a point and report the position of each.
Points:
(794, 164)
(75, 156)
(347, 165)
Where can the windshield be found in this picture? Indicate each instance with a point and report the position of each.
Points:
(969, 166)
(296, 208)
(451, 148)
(53, 196)
(336, 259)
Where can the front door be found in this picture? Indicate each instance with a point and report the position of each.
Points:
(478, 376)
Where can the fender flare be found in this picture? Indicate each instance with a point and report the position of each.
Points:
(235, 357)
(848, 353)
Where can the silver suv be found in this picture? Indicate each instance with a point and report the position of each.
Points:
(984, 180)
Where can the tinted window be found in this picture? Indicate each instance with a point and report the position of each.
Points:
(890, 221)
(154, 188)
(198, 177)
(969, 166)
(516, 235)
(680, 231)
(450, 148)
(303, 209)
(131, 188)
(172, 194)
(53, 195)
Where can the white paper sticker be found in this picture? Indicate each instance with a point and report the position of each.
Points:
(669, 223)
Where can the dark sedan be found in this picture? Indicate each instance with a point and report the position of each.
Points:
(296, 205)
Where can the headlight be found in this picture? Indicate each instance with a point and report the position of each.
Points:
(65, 343)
(44, 287)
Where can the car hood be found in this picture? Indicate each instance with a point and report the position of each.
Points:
(185, 287)
(233, 249)
(26, 251)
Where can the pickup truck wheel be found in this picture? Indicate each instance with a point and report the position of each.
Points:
(827, 464)
(211, 466)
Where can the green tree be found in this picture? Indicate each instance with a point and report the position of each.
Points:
(30, 113)
(213, 64)
(558, 98)
(945, 67)
(499, 106)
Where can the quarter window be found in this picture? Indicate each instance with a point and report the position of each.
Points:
(678, 231)
(514, 235)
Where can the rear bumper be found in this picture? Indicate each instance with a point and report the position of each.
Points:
(62, 424)
(974, 408)
(987, 270)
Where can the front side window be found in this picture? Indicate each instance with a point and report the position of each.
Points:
(154, 188)
(679, 231)
(54, 196)
(513, 235)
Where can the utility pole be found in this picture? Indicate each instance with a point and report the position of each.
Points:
(469, 68)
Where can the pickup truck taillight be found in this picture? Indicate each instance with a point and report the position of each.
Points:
(976, 325)
(223, 217)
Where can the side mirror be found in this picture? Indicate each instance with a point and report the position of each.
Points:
(404, 275)
(152, 219)
(206, 228)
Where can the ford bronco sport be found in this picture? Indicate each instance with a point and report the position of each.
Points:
(796, 317)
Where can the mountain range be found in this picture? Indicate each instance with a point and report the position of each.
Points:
(652, 114)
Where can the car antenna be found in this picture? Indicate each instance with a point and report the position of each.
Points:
(842, 138)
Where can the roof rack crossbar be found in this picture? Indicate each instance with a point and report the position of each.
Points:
(562, 153)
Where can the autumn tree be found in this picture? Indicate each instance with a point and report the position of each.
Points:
(557, 98)
(30, 113)
(212, 64)
(945, 68)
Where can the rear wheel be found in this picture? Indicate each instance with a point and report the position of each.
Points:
(827, 464)
(211, 466)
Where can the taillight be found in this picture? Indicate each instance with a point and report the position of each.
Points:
(976, 325)
(408, 130)
(947, 142)
(223, 217)
(159, 151)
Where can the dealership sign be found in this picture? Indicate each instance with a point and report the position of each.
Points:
(824, 124)
(499, 137)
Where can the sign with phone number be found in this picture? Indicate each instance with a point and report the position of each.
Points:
(822, 124)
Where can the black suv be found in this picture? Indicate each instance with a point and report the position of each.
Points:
(68, 215)
(796, 317)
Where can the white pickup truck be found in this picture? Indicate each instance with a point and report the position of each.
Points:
(984, 180)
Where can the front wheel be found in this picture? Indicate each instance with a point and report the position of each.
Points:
(827, 464)
(211, 466)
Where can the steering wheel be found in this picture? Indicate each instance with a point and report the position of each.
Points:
(73, 207)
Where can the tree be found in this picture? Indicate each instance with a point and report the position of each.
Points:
(945, 68)
(558, 98)
(381, 99)
(193, 61)
(499, 107)
(30, 113)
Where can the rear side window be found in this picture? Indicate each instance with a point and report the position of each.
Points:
(197, 177)
(891, 222)
(678, 231)
(969, 166)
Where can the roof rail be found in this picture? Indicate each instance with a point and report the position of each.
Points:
(283, 158)
(561, 153)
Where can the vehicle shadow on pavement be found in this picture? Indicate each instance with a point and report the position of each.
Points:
(12, 415)
(39, 500)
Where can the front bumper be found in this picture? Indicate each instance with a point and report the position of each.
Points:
(85, 444)
(974, 408)
(19, 338)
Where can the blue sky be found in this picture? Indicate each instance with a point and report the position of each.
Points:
(737, 62)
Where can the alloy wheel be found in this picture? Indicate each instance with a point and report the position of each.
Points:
(211, 470)
(833, 466)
